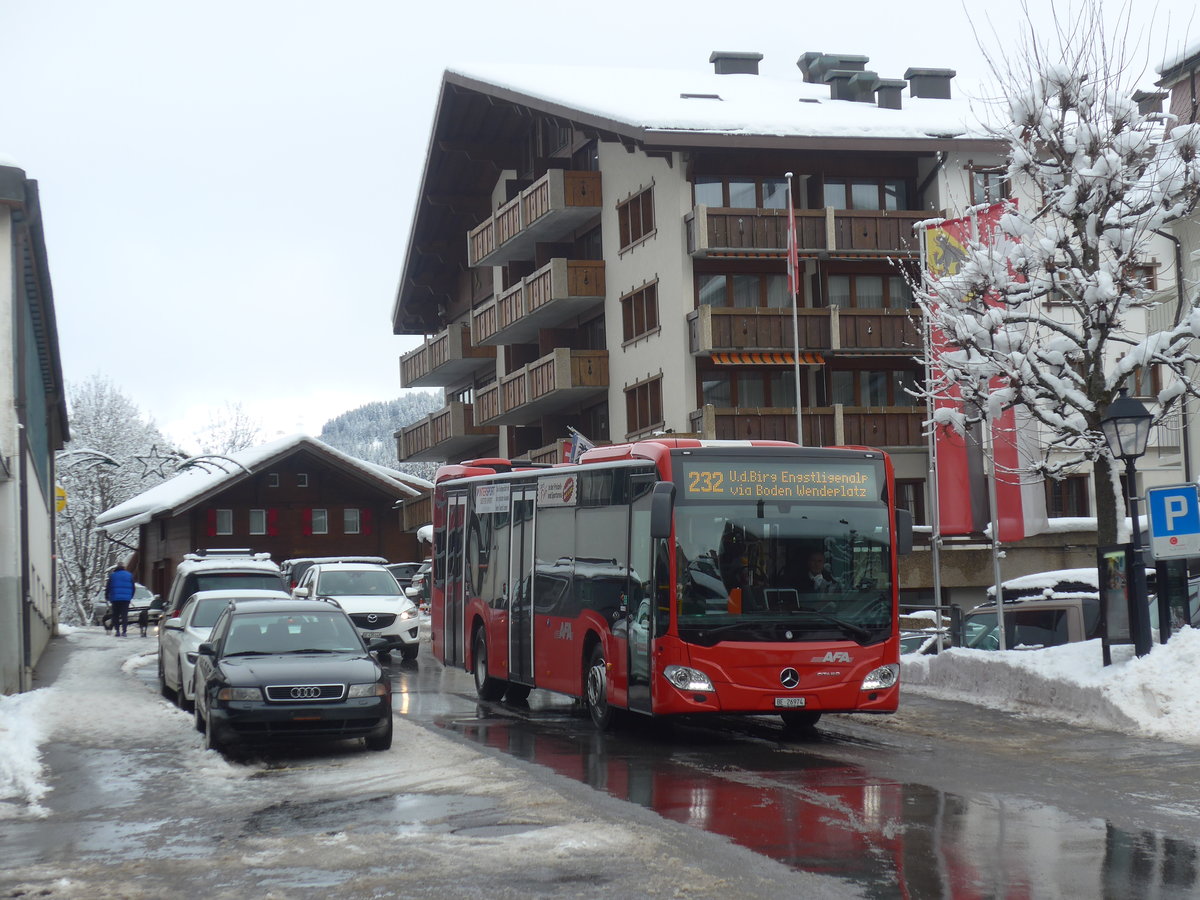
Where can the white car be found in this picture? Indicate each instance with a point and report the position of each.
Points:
(372, 598)
(180, 637)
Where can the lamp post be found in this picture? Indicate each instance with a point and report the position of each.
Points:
(1127, 430)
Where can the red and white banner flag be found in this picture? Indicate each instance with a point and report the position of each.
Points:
(959, 458)
(793, 247)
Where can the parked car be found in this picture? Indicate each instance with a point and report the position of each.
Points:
(418, 589)
(180, 637)
(372, 598)
(293, 569)
(1046, 609)
(143, 600)
(213, 570)
(283, 669)
(403, 572)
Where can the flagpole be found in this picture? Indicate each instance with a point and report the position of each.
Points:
(794, 287)
(935, 542)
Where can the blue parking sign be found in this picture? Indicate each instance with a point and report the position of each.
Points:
(1174, 521)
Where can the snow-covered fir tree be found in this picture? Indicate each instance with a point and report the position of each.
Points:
(1052, 314)
(367, 432)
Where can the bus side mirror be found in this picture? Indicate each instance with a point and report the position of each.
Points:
(662, 504)
(904, 532)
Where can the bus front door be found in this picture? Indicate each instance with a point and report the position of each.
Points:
(452, 637)
(520, 586)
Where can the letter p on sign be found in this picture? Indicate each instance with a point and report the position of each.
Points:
(1174, 521)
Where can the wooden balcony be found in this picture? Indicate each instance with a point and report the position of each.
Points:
(450, 433)
(834, 233)
(416, 512)
(444, 359)
(557, 381)
(548, 455)
(550, 208)
(844, 332)
(829, 426)
(556, 293)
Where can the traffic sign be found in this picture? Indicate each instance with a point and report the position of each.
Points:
(1174, 521)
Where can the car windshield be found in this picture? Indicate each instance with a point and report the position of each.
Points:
(233, 581)
(207, 610)
(356, 583)
(778, 569)
(270, 633)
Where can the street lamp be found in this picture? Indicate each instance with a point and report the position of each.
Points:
(1127, 430)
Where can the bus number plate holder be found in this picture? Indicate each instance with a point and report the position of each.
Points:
(789, 702)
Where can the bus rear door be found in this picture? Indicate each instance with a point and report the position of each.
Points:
(520, 585)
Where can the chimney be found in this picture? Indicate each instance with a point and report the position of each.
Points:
(727, 62)
(814, 65)
(1149, 102)
(933, 84)
(889, 92)
(847, 84)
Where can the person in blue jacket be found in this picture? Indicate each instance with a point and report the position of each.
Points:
(118, 592)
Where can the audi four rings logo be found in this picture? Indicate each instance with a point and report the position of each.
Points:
(305, 693)
(789, 678)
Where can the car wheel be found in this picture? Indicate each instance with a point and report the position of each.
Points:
(163, 687)
(381, 741)
(800, 719)
(385, 656)
(181, 695)
(213, 739)
(197, 719)
(595, 690)
(409, 653)
(487, 687)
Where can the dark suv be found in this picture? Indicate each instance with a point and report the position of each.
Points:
(281, 669)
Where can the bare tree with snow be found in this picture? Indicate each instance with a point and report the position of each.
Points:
(113, 455)
(230, 429)
(1052, 313)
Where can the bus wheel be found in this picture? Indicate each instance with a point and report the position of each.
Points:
(517, 693)
(799, 719)
(486, 687)
(595, 690)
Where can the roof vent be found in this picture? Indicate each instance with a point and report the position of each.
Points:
(728, 62)
(889, 92)
(814, 64)
(933, 84)
(847, 84)
(1149, 102)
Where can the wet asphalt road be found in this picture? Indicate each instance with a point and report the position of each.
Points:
(942, 800)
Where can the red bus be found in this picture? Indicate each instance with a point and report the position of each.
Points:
(675, 576)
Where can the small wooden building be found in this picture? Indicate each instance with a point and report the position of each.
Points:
(293, 497)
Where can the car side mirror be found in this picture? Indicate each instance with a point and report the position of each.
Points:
(301, 592)
(207, 649)
(175, 624)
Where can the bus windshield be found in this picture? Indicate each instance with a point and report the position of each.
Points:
(783, 571)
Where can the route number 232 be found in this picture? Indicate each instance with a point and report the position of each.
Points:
(705, 482)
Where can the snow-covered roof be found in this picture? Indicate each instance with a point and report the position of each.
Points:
(1183, 54)
(1043, 580)
(662, 100)
(6, 160)
(190, 486)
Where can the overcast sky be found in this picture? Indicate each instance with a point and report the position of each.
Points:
(227, 186)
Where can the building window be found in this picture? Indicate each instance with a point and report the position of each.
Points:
(867, 291)
(877, 387)
(1147, 273)
(272, 479)
(643, 406)
(639, 312)
(745, 291)
(1145, 381)
(224, 521)
(989, 184)
(351, 521)
(866, 193)
(910, 495)
(258, 521)
(635, 218)
(740, 192)
(301, 480)
(748, 388)
(320, 521)
(1067, 496)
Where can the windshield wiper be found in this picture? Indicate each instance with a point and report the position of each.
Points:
(314, 650)
(250, 653)
(848, 627)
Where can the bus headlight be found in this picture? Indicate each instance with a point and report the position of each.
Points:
(688, 679)
(881, 678)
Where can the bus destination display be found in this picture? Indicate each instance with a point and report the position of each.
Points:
(771, 480)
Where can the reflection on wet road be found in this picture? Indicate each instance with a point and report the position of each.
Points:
(812, 803)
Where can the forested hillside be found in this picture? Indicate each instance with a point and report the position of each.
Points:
(367, 432)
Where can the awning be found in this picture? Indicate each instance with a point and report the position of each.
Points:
(766, 359)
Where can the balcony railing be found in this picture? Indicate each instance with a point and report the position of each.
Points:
(836, 233)
(444, 359)
(416, 512)
(846, 332)
(557, 292)
(560, 380)
(554, 205)
(446, 434)
(887, 426)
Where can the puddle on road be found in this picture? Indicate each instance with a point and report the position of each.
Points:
(432, 812)
(818, 815)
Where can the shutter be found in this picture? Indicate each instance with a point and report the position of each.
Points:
(273, 523)
(306, 522)
(364, 521)
(212, 523)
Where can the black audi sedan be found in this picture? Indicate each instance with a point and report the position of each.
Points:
(284, 669)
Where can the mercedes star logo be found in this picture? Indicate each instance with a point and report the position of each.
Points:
(789, 678)
(305, 693)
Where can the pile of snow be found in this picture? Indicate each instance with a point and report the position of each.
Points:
(1152, 696)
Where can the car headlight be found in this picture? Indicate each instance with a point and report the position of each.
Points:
(883, 677)
(376, 689)
(191, 657)
(408, 614)
(687, 679)
(239, 693)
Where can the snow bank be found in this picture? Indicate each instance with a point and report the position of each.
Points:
(21, 731)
